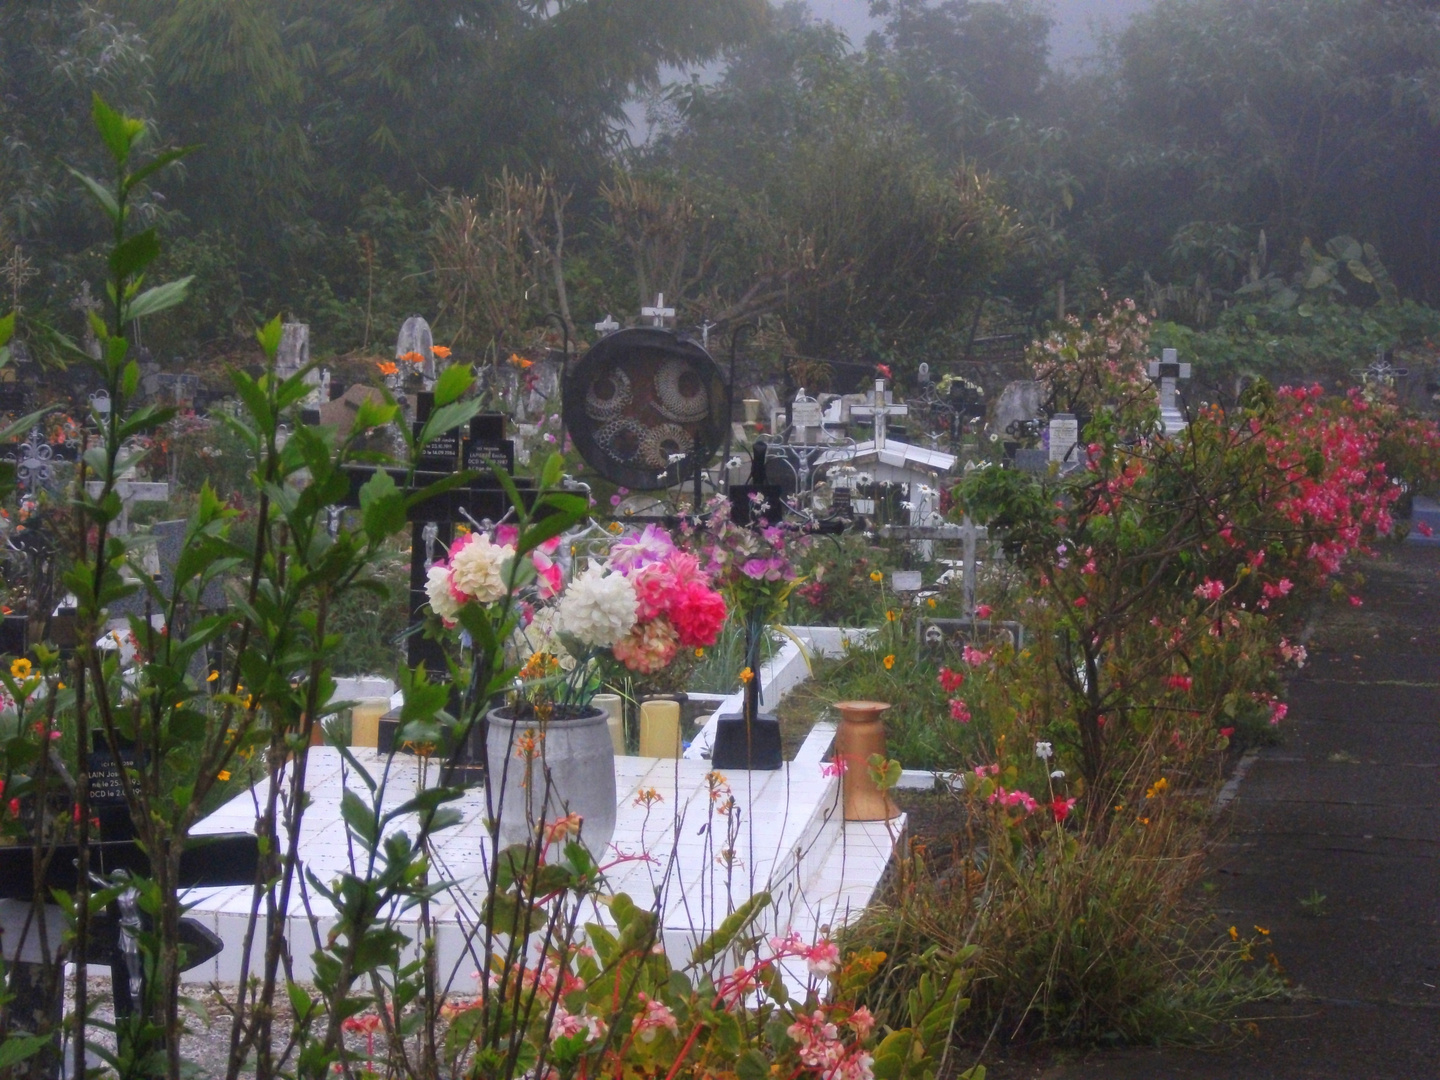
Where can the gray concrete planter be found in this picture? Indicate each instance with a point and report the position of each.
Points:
(543, 771)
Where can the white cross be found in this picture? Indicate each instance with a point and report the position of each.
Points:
(879, 410)
(607, 325)
(659, 313)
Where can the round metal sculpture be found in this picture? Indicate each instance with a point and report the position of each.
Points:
(639, 402)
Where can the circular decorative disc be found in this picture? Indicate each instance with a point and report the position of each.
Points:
(638, 398)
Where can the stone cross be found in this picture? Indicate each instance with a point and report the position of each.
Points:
(659, 314)
(1169, 371)
(131, 492)
(607, 326)
(85, 304)
(416, 340)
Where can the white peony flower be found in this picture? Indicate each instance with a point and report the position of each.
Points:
(477, 569)
(437, 588)
(598, 608)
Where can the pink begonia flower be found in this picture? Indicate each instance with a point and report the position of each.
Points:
(567, 1024)
(1210, 590)
(862, 1021)
(822, 958)
(653, 1016)
(983, 771)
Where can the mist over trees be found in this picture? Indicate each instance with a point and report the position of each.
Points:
(1252, 170)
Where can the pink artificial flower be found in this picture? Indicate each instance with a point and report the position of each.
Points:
(974, 657)
(983, 771)
(654, 586)
(833, 768)
(1278, 711)
(547, 573)
(651, 545)
(649, 647)
(698, 614)
(983, 611)
(1355, 601)
(959, 711)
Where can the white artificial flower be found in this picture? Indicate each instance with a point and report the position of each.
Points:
(543, 635)
(477, 569)
(1058, 774)
(1044, 751)
(437, 588)
(598, 608)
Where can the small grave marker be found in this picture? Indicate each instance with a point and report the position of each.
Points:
(906, 581)
(658, 313)
(1170, 371)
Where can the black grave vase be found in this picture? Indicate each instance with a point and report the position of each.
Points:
(751, 739)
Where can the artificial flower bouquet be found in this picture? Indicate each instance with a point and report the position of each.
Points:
(640, 606)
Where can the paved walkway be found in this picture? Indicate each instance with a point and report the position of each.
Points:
(1349, 809)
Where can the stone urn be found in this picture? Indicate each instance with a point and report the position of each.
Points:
(540, 772)
(862, 734)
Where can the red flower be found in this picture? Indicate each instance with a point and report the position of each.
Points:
(1179, 682)
(1060, 808)
(983, 611)
(698, 613)
(1226, 732)
(1080, 601)
(950, 681)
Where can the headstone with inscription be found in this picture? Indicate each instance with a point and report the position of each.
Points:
(1064, 437)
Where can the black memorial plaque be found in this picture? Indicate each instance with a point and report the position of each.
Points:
(106, 774)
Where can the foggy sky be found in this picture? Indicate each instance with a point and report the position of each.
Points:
(1070, 40)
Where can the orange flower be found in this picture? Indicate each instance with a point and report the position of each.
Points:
(413, 357)
(386, 367)
(442, 352)
(520, 361)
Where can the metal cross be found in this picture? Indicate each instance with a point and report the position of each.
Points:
(17, 270)
(659, 313)
(607, 326)
(1381, 371)
(36, 457)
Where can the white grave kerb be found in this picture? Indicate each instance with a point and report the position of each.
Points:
(1169, 371)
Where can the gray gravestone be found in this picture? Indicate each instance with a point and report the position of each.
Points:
(1064, 434)
(294, 351)
(1019, 401)
(416, 339)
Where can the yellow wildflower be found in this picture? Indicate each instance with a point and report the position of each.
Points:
(891, 615)
(699, 653)
(222, 775)
(1234, 934)
(20, 668)
(746, 675)
(213, 676)
(889, 661)
(876, 576)
(1157, 788)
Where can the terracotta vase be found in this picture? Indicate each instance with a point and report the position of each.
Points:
(862, 734)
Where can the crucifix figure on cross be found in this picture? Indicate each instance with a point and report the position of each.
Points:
(1169, 371)
(879, 410)
(658, 314)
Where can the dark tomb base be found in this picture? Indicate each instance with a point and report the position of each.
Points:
(470, 769)
(759, 750)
